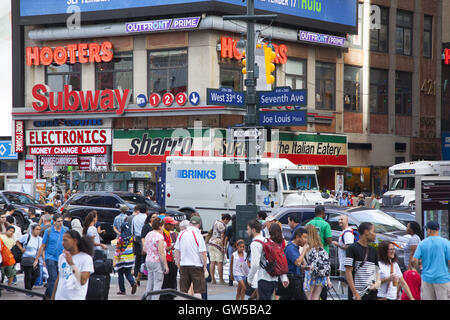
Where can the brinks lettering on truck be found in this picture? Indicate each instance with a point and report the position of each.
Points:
(196, 174)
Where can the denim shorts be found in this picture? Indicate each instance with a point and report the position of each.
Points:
(239, 278)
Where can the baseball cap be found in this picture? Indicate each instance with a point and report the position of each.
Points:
(170, 220)
(195, 220)
(432, 225)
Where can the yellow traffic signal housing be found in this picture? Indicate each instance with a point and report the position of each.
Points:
(244, 63)
(269, 56)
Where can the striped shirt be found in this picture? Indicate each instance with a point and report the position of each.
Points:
(365, 276)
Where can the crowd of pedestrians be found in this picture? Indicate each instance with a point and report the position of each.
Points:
(151, 246)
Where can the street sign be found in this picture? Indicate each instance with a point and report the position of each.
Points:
(194, 98)
(6, 152)
(282, 118)
(225, 96)
(250, 133)
(281, 96)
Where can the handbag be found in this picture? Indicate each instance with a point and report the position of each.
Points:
(29, 261)
(7, 256)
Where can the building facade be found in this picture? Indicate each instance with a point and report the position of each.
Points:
(116, 93)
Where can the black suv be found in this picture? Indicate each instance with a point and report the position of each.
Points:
(22, 202)
(107, 205)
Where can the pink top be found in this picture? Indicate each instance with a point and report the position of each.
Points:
(151, 246)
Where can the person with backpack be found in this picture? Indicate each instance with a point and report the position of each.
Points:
(29, 245)
(90, 230)
(318, 265)
(52, 245)
(267, 253)
(346, 238)
(124, 258)
(361, 265)
(216, 247)
(75, 265)
(119, 219)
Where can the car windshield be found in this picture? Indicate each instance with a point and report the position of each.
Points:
(406, 183)
(383, 222)
(134, 200)
(20, 198)
(301, 181)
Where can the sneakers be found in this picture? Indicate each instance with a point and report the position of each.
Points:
(120, 293)
(134, 288)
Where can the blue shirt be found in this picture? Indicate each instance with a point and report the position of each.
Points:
(118, 220)
(292, 254)
(434, 252)
(54, 247)
(344, 202)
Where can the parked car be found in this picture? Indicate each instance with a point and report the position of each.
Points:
(403, 214)
(386, 227)
(22, 202)
(107, 205)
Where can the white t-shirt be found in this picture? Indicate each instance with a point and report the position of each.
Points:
(92, 232)
(387, 289)
(68, 286)
(190, 247)
(32, 247)
(346, 238)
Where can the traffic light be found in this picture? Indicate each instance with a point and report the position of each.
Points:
(244, 63)
(269, 56)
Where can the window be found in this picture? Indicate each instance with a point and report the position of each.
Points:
(379, 39)
(111, 202)
(57, 76)
(168, 71)
(404, 33)
(325, 86)
(231, 76)
(427, 36)
(95, 201)
(115, 74)
(296, 74)
(403, 94)
(352, 88)
(378, 91)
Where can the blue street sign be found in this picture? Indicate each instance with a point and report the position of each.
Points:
(282, 118)
(281, 96)
(141, 100)
(6, 152)
(194, 98)
(225, 96)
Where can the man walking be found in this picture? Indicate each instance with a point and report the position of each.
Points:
(295, 275)
(434, 253)
(361, 266)
(170, 279)
(191, 258)
(345, 240)
(120, 219)
(258, 276)
(293, 222)
(52, 244)
(375, 204)
(136, 228)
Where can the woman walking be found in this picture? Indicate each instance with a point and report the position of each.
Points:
(29, 244)
(90, 230)
(413, 229)
(239, 268)
(75, 265)
(390, 273)
(318, 265)
(156, 262)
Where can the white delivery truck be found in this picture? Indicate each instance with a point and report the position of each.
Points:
(196, 184)
(402, 180)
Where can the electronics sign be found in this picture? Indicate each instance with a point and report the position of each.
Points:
(338, 12)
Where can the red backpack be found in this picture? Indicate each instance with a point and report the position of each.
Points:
(276, 262)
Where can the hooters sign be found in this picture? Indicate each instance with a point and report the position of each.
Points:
(228, 50)
(86, 52)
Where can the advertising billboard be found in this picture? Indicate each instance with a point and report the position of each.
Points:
(336, 12)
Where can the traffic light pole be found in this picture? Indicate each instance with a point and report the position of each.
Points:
(250, 82)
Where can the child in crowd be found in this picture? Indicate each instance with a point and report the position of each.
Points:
(239, 268)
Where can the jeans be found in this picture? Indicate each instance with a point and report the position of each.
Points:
(52, 269)
(266, 289)
(295, 289)
(125, 273)
(155, 278)
(31, 275)
(137, 248)
(170, 281)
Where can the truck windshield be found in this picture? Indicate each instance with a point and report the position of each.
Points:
(297, 181)
(405, 183)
